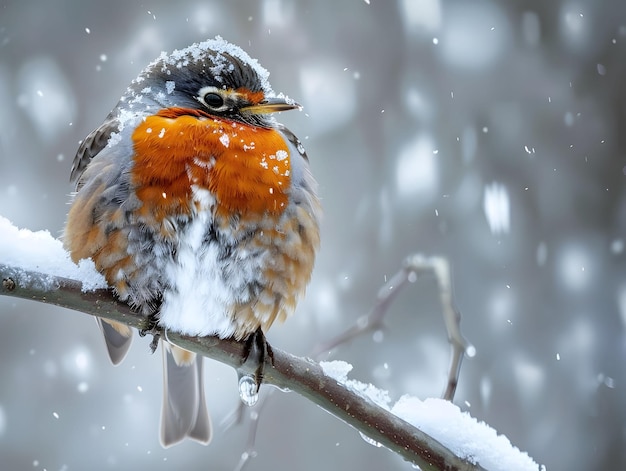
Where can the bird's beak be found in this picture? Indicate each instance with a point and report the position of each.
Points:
(272, 105)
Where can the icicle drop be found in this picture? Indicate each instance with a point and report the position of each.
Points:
(248, 390)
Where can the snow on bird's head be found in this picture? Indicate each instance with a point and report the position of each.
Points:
(214, 62)
(180, 80)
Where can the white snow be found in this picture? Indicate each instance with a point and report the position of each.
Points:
(217, 48)
(225, 140)
(497, 208)
(456, 430)
(338, 370)
(40, 252)
(462, 434)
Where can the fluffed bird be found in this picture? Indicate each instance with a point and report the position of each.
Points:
(200, 210)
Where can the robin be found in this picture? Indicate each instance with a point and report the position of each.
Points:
(200, 211)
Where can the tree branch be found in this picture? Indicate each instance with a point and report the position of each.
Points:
(301, 375)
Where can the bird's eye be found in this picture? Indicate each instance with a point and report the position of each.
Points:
(213, 100)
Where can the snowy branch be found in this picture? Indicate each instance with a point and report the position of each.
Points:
(287, 371)
(33, 265)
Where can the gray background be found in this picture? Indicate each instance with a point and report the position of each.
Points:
(404, 136)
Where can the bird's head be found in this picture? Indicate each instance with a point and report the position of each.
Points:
(213, 79)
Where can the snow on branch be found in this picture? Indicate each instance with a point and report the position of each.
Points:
(432, 434)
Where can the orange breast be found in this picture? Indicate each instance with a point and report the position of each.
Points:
(245, 168)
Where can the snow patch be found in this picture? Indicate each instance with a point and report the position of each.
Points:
(225, 140)
(337, 370)
(466, 437)
(40, 252)
(462, 434)
(218, 49)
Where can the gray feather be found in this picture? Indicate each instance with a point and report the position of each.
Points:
(92, 145)
(117, 344)
(184, 412)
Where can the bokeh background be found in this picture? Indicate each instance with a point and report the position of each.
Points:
(489, 132)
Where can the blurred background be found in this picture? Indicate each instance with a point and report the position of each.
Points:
(491, 133)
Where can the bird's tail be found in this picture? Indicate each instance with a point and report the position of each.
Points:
(184, 412)
(117, 337)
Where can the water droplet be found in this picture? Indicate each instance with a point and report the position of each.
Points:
(247, 390)
(370, 441)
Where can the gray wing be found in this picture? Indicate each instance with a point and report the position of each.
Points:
(92, 145)
(118, 337)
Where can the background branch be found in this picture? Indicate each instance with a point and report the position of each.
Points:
(413, 266)
(298, 374)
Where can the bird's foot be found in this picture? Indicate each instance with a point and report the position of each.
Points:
(151, 327)
(256, 351)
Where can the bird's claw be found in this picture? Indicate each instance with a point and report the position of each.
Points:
(255, 353)
(151, 327)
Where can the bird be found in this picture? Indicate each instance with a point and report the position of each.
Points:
(199, 209)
